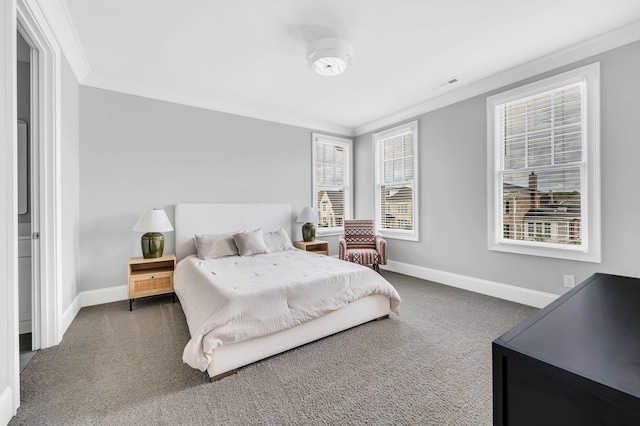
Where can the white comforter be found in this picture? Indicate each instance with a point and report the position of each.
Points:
(235, 298)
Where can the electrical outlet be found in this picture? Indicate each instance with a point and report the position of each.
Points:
(569, 281)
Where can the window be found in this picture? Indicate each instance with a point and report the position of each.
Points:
(563, 233)
(331, 159)
(404, 224)
(543, 144)
(396, 163)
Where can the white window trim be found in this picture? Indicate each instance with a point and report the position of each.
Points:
(348, 193)
(589, 251)
(413, 235)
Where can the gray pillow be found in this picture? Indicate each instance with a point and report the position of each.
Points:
(277, 240)
(213, 246)
(250, 243)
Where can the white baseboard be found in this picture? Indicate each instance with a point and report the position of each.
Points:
(69, 314)
(90, 298)
(103, 295)
(24, 322)
(521, 295)
(537, 299)
(24, 326)
(6, 406)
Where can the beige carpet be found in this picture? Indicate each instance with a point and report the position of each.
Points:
(429, 366)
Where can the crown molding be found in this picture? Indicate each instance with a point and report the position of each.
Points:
(59, 19)
(618, 37)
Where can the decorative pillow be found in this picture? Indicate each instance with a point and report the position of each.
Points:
(213, 246)
(277, 240)
(250, 243)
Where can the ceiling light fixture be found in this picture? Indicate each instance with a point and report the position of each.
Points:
(329, 56)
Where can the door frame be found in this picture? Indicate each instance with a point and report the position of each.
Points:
(10, 395)
(46, 217)
(28, 15)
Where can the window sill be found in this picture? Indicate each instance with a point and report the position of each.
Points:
(397, 236)
(552, 252)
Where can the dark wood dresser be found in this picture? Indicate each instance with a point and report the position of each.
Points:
(575, 362)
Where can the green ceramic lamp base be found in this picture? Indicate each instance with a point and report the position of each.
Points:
(152, 245)
(308, 232)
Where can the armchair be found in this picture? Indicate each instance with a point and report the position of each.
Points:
(360, 244)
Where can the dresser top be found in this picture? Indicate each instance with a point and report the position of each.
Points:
(592, 331)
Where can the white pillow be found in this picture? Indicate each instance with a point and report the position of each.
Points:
(250, 243)
(277, 240)
(213, 246)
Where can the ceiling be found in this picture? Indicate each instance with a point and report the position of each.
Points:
(248, 56)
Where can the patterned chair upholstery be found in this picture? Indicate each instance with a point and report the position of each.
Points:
(360, 244)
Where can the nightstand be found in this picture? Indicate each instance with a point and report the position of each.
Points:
(150, 277)
(316, 246)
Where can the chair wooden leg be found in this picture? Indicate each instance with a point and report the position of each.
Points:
(376, 267)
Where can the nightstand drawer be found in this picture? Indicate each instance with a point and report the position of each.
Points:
(145, 285)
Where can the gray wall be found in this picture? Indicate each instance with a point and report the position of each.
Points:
(139, 153)
(453, 187)
(69, 174)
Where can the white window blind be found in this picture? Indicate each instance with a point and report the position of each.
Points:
(544, 168)
(541, 165)
(396, 201)
(331, 181)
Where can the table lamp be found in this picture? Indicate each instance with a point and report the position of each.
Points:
(153, 223)
(309, 217)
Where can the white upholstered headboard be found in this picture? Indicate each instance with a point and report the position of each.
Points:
(191, 219)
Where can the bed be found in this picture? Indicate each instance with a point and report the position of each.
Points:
(212, 347)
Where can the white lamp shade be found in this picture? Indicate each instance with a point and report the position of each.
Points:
(308, 215)
(152, 220)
